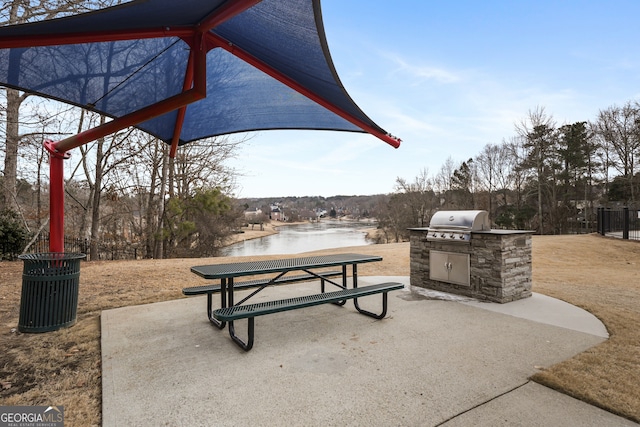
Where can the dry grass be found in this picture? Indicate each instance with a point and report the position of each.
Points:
(63, 367)
(602, 276)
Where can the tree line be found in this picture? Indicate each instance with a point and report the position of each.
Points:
(546, 177)
(124, 190)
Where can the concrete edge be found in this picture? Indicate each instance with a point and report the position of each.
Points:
(537, 308)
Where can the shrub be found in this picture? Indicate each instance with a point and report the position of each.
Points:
(13, 234)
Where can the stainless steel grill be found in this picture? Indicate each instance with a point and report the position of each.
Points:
(456, 226)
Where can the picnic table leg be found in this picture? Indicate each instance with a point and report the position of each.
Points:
(246, 346)
(355, 275)
(223, 304)
(374, 315)
(344, 284)
(355, 300)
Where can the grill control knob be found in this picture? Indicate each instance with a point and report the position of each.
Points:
(452, 236)
(462, 236)
(442, 235)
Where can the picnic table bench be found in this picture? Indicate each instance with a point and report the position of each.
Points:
(230, 312)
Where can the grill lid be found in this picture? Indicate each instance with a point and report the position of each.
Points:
(460, 220)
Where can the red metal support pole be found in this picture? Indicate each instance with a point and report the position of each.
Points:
(188, 82)
(56, 200)
(131, 119)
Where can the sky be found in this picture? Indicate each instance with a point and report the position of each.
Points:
(448, 78)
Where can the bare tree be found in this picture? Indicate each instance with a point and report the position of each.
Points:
(443, 179)
(420, 197)
(149, 172)
(17, 12)
(539, 137)
(144, 178)
(101, 161)
(14, 99)
(619, 129)
(493, 168)
(513, 179)
(395, 216)
(508, 160)
(202, 164)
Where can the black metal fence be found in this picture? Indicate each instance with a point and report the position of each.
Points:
(41, 245)
(623, 223)
(580, 226)
(71, 244)
(106, 250)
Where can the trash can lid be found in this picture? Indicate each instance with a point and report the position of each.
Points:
(52, 256)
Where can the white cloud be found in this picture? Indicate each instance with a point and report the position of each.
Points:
(423, 72)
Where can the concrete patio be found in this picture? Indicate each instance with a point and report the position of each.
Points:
(436, 359)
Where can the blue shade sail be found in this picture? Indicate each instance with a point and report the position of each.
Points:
(138, 53)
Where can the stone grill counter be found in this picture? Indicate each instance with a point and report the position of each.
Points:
(499, 264)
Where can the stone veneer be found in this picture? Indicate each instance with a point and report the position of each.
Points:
(499, 260)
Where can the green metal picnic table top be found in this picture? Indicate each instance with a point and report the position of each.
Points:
(247, 268)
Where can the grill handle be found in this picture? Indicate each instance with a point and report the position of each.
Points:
(448, 227)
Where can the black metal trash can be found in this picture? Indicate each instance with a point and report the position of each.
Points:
(49, 299)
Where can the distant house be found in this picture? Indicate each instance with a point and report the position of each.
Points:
(277, 214)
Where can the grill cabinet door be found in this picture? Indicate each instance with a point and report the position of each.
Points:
(459, 269)
(449, 267)
(438, 262)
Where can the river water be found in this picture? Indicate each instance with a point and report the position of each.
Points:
(294, 239)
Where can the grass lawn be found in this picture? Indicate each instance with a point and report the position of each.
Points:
(63, 367)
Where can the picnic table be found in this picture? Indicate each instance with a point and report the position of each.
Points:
(279, 271)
